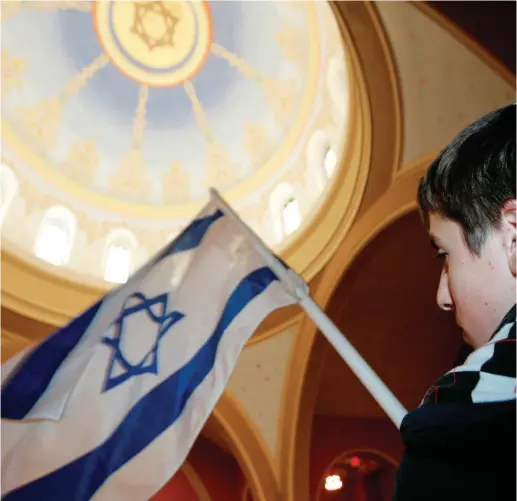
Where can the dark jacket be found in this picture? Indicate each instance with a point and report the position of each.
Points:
(456, 447)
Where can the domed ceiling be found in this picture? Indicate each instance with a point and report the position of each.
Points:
(126, 113)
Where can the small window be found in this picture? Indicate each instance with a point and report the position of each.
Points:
(55, 236)
(291, 216)
(330, 162)
(322, 161)
(118, 263)
(120, 256)
(284, 211)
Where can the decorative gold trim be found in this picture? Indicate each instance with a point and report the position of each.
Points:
(31, 288)
(285, 322)
(248, 446)
(395, 83)
(304, 251)
(196, 482)
(418, 164)
(299, 394)
(467, 41)
(245, 492)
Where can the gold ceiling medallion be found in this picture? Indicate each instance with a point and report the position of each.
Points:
(292, 41)
(221, 171)
(175, 185)
(34, 199)
(41, 121)
(282, 96)
(258, 144)
(95, 230)
(130, 181)
(154, 24)
(82, 161)
(159, 44)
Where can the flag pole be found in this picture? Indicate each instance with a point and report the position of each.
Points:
(299, 290)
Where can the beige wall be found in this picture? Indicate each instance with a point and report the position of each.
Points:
(445, 86)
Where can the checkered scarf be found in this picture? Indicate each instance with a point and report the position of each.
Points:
(488, 374)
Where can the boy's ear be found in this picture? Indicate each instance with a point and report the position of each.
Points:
(509, 227)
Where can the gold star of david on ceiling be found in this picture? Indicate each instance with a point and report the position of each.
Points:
(154, 24)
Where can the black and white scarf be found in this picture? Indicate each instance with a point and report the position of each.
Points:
(488, 374)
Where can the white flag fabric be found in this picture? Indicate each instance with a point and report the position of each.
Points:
(109, 406)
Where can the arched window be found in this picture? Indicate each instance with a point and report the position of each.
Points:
(8, 190)
(56, 236)
(321, 160)
(337, 82)
(291, 216)
(285, 211)
(329, 162)
(120, 256)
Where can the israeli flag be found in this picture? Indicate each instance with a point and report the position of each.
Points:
(109, 406)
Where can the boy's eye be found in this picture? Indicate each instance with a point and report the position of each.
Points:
(441, 255)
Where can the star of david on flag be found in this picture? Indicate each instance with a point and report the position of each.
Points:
(127, 386)
(155, 310)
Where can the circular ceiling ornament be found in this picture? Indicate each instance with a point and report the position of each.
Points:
(159, 44)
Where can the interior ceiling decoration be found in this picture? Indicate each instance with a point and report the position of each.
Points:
(127, 112)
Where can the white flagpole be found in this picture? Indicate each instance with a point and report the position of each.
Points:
(298, 288)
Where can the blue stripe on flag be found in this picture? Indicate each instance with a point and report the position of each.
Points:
(151, 416)
(192, 236)
(31, 379)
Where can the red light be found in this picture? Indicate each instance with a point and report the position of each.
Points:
(355, 461)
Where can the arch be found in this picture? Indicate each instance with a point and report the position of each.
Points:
(120, 256)
(247, 495)
(55, 237)
(230, 420)
(285, 211)
(308, 354)
(8, 190)
(196, 482)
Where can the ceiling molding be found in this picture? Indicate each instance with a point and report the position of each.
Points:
(196, 482)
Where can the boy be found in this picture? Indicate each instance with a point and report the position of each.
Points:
(460, 443)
